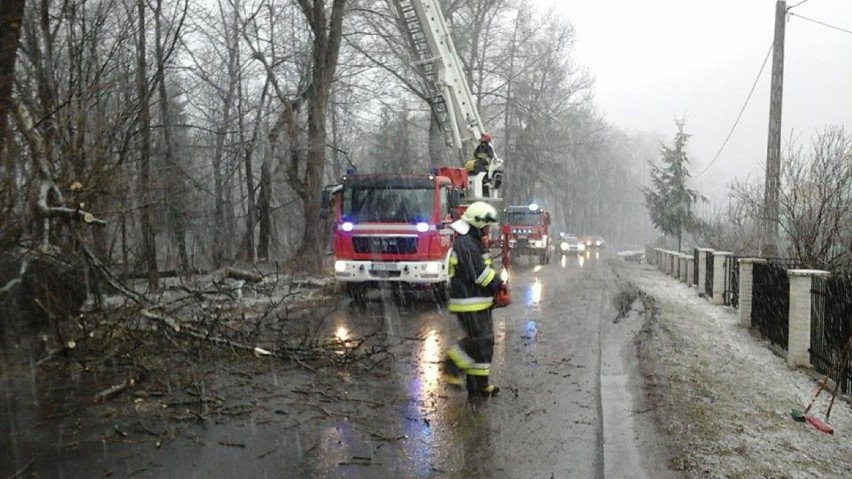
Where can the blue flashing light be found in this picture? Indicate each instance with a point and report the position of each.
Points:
(347, 226)
(422, 227)
(533, 207)
(351, 170)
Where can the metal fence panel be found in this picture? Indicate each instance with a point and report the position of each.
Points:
(831, 326)
(708, 274)
(771, 303)
(695, 267)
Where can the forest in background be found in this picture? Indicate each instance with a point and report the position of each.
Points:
(179, 136)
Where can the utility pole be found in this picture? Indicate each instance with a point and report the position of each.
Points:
(773, 147)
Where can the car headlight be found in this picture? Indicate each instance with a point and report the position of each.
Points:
(563, 246)
(432, 267)
(581, 246)
(339, 266)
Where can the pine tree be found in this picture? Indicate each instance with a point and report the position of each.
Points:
(669, 201)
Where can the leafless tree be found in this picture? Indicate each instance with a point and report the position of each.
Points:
(174, 204)
(305, 166)
(815, 204)
(815, 200)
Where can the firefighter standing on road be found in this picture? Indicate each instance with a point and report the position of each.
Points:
(473, 283)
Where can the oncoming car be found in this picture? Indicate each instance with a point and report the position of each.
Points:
(592, 241)
(570, 244)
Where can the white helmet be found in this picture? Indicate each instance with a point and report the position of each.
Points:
(480, 214)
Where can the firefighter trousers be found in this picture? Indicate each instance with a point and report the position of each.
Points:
(473, 353)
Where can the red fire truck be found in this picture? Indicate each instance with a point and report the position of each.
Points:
(526, 232)
(395, 229)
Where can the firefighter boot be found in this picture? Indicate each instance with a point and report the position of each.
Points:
(478, 386)
(451, 374)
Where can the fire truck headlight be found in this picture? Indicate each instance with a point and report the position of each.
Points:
(432, 267)
(347, 226)
(504, 275)
(538, 244)
(422, 227)
(340, 266)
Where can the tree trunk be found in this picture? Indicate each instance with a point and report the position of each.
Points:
(264, 210)
(149, 240)
(223, 211)
(174, 204)
(309, 255)
(11, 17)
(326, 48)
(251, 210)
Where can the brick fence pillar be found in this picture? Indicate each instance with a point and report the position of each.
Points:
(681, 272)
(690, 269)
(800, 315)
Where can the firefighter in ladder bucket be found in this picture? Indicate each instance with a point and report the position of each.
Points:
(482, 156)
(474, 283)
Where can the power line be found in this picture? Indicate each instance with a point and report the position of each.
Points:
(796, 5)
(821, 23)
(742, 110)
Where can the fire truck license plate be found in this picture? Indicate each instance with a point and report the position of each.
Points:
(385, 267)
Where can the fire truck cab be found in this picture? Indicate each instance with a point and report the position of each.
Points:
(394, 229)
(526, 231)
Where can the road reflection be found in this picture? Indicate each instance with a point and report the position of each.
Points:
(534, 293)
(429, 358)
(342, 333)
(583, 259)
(422, 388)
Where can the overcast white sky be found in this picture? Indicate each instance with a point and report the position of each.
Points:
(655, 60)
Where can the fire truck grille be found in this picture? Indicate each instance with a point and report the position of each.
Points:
(385, 244)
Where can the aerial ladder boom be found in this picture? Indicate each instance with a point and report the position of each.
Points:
(435, 53)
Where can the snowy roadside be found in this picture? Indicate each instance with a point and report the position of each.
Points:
(722, 397)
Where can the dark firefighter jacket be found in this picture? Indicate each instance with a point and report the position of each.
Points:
(472, 279)
(483, 151)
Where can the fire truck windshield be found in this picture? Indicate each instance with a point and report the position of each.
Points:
(523, 218)
(387, 204)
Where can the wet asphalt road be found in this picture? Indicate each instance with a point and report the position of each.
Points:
(546, 422)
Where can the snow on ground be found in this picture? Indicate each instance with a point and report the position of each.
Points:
(723, 397)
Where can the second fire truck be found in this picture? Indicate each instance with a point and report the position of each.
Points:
(526, 232)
